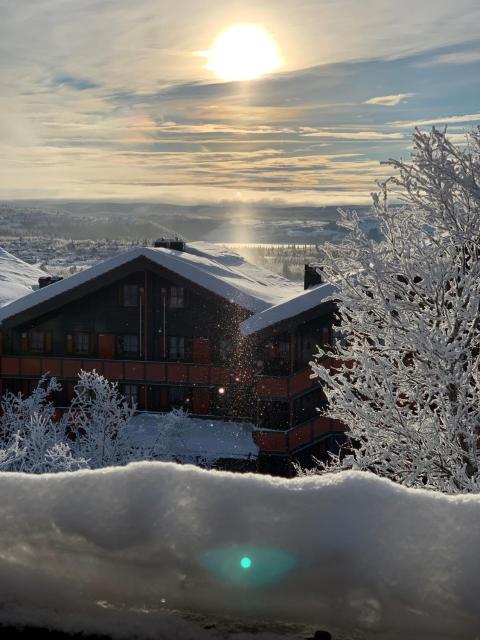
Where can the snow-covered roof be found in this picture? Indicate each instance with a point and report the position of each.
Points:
(213, 267)
(289, 308)
(188, 438)
(17, 278)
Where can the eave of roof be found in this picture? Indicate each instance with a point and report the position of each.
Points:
(290, 308)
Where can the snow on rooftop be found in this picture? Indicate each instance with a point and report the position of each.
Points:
(153, 550)
(215, 268)
(187, 439)
(17, 278)
(288, 308)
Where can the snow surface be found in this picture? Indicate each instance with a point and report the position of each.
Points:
(219, 270)
(208, 440)
(288, 308)
(143, 549)
(17, 278)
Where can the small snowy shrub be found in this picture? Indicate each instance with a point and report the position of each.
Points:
(406, 379)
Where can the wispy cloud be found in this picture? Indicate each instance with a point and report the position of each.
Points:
(454, 57)
(309, 132)
(389, 101)
(410, 124)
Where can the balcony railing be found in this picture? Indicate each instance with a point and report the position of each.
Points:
(128, 370)
(299, 436)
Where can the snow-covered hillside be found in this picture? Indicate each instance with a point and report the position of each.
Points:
(17, 278)
(124, 550)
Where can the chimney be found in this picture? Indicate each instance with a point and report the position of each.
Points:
(312, 276)
(44, 281)
(170, 243)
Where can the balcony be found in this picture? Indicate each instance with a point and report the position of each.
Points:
(284, 386)
(299, 436)
(128, 370)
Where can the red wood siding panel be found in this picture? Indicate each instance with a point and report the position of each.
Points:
(155, 372)
(218, 375)
(321, 426)
(301, 381)
(271, 441)
(90, 365)
(113, 370)
(106, 345)
(54, 367)
(134, 371)
(10, 366)
(30, 367)
(337, 425)
(300, 436)
(200, 400)
(71, 368)
(272, 387)
(198, 374)
(201, 350)
(177, 373)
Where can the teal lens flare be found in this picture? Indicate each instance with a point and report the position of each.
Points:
(241, 566)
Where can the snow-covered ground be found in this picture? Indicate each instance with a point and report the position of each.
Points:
(17, 278)
(153, 548)
(193, 439)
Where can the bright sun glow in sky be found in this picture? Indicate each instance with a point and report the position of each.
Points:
(243, 52)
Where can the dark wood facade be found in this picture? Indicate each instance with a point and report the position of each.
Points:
(169, 342)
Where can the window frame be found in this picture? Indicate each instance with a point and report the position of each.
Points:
(126, 337)
(127, 298)
(175, 354)
(81, 335)
(45, 340)
(176, 301)
(127, 390)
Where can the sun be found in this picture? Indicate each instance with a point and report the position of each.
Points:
(243, 52)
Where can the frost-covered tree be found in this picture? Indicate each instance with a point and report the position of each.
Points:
(405, 379)
(93, 433)
(32, 440)
(97, 421)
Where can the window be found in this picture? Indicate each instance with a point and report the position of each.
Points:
(307, 406)
(177, 298)
(130, 391)
(274, 415)
(128, 345)
(81, 343)
(225, 349)
(179, 397)
(40, 341)
(275, 356)
(131, 295)
(176, 348)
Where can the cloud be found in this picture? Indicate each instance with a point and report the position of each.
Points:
(454, 57)
(79, 84)
(389, 101)
(309, 132)
(410, 124)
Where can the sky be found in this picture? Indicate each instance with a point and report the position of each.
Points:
(114, 99)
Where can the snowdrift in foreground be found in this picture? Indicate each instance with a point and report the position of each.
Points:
(120, 550)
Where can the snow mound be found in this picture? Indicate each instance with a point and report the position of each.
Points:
(17, 278)
(121, 550)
